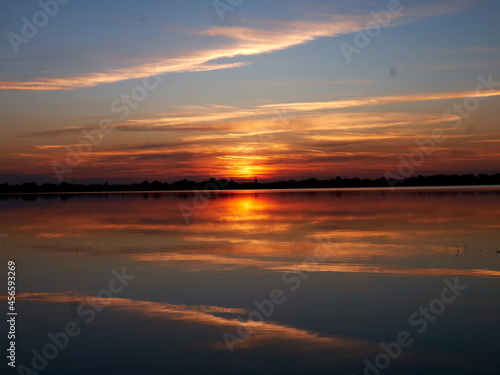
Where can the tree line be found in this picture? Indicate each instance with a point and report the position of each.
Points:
(224, 184)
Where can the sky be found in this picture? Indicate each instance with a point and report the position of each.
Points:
(126, 91)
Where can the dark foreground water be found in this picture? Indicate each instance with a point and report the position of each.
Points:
(314, 282)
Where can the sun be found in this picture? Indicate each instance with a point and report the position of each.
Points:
(247, 167)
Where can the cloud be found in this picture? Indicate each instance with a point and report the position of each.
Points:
(265, 37)
(484, 49)
(268, 116)
(452, 66)
(94, 79)
(438, 8)
(472, 49)
(381, 100)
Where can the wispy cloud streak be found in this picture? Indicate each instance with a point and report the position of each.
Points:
(266, 37)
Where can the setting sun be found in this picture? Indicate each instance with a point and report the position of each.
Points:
(247, 167)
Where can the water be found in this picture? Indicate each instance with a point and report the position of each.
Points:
(332, 274)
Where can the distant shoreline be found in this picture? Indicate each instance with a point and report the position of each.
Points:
(440, 181)
(246, 191)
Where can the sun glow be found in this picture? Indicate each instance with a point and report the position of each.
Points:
(247, 167)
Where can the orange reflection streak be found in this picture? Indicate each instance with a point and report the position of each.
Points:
(265, 226)
(264, 333)
(72, 296)
(290, 266)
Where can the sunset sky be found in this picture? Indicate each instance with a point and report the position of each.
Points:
(268, 89)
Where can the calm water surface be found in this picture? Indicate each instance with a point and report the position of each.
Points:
(331, 274)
